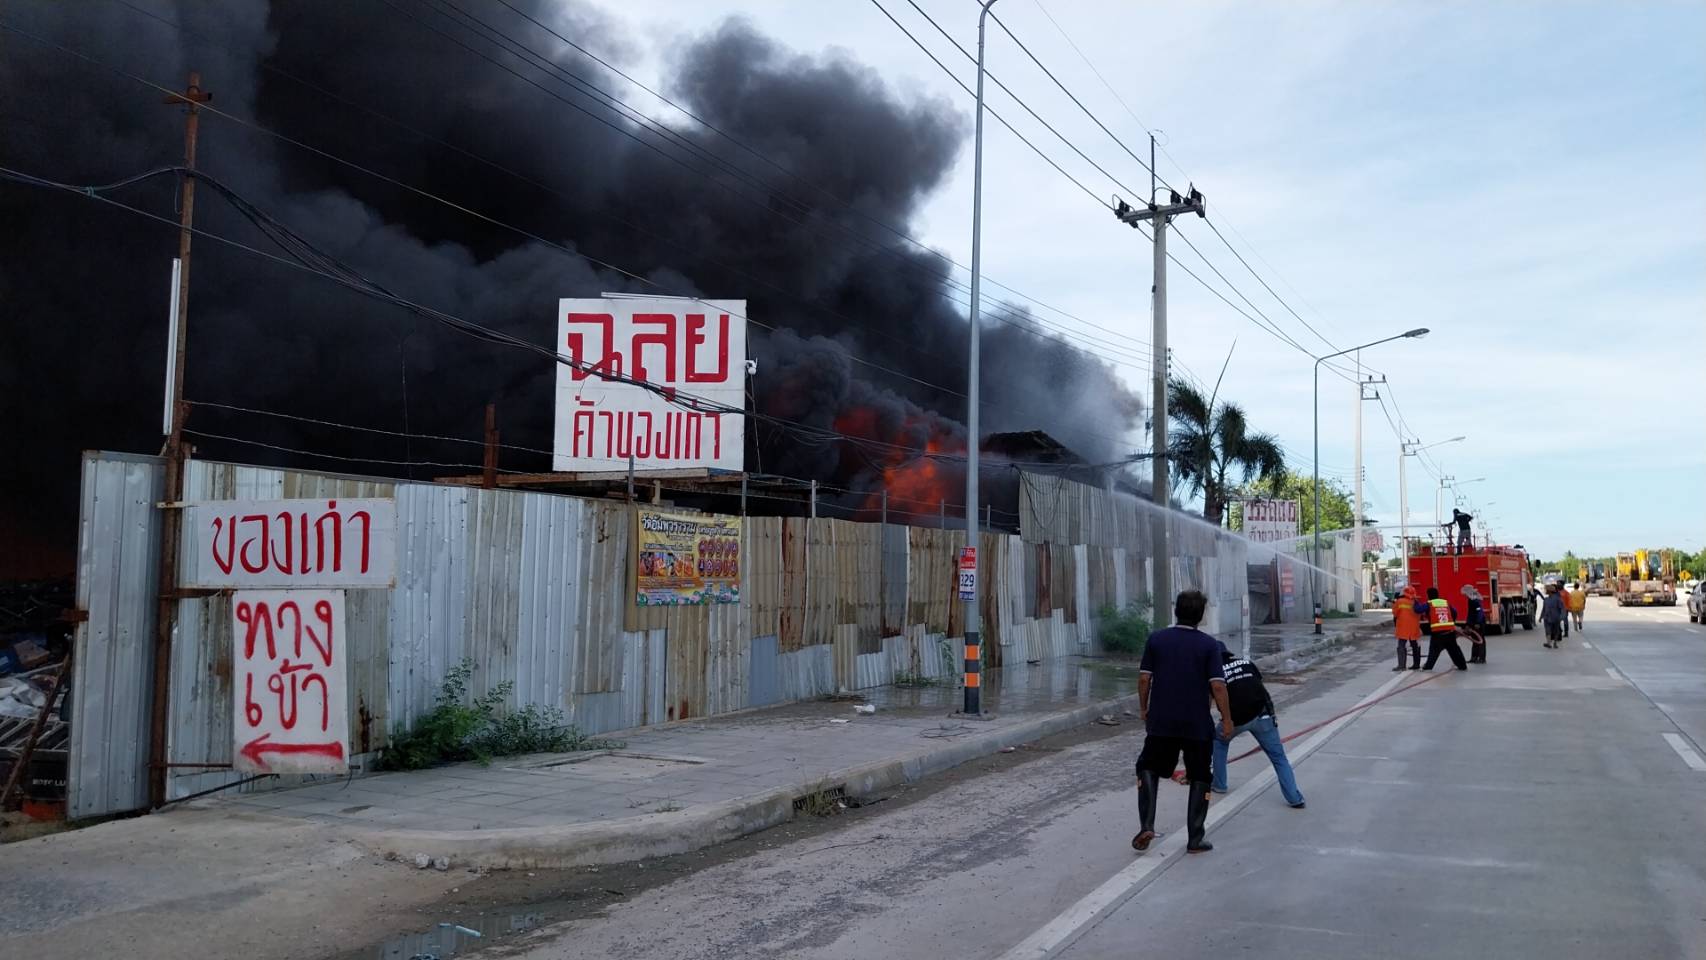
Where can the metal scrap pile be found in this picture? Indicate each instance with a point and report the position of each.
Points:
(35, 640)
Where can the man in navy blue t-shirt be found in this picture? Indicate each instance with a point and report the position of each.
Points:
(1180, 674)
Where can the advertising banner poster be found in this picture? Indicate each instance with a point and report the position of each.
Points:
(684, 558)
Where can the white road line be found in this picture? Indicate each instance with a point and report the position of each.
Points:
(1685, 751)
(1612, 672)
(1691, 629)
(1075, 920)
(1586, 645)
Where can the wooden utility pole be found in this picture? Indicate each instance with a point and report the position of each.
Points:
(172, 518)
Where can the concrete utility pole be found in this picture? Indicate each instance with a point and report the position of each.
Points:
(172, 520)
(974, 651)
(1161, 588)
(1357, 508)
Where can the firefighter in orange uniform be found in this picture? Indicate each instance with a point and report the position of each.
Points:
(1442, 629)
(1407, 614)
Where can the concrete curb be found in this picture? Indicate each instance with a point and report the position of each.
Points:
(666, 834)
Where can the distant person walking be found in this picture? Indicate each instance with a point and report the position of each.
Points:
(1253, 711)
(1552, 616)
(1407, 614)
(1442, 632)
(1180, 674)
(1577, 605)
(1565, 598)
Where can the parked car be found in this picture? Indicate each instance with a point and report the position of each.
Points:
(1697, 603)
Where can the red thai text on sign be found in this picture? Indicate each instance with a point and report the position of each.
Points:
(290, 712)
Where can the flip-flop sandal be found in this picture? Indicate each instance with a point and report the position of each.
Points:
(1142, 841)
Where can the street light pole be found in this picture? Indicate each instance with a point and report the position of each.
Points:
(1315, 538)
(974, 650)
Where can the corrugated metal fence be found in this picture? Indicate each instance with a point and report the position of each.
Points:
(532, 588)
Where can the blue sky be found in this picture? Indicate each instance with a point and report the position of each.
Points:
(1528, 180)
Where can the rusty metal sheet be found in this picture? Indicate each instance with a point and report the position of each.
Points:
(895, 580)
(791, 622)
(931, 598)
(761, 577)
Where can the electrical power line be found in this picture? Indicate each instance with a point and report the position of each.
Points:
(779, 167)
(1116, 353)
(347, 278)
(999, 311)
(1082, 56)
(1265, 323)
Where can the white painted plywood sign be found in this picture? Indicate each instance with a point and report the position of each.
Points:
(291, 543)
(691, 356)
(289, 658)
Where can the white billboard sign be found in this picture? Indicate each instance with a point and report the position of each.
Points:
(291, 543)
(691, 353)
(1269, 521)
(290, 708)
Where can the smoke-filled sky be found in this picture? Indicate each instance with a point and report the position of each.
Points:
(1525, 178)
(795, 219)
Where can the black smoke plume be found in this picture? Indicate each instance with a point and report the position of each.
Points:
(83, 286)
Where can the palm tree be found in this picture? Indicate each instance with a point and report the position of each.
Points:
(1212, 449)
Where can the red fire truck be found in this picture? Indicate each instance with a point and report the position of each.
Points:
(1500, 574)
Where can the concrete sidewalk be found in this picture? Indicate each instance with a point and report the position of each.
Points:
(1271, 645)
(688, 785)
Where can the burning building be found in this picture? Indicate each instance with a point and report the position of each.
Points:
(370, 134)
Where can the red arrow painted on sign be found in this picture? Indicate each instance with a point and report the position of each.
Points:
(256, 749)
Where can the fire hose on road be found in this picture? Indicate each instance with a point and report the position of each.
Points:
(1180, 777)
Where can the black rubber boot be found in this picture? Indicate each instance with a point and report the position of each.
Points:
(1196, 820)
(1146, 794)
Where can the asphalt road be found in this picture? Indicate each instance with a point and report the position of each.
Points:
(1544, 806)
(1552, 805)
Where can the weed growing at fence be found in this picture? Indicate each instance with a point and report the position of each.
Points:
(907, 678)
(1126, 631)
(460, 727)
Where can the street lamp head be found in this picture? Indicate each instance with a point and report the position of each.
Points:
(1455, 439)
(1418, 332)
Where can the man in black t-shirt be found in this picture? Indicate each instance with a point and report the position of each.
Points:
(1180, 674)
(1253, 710)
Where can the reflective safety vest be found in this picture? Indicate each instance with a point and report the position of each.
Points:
(1440, 619)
